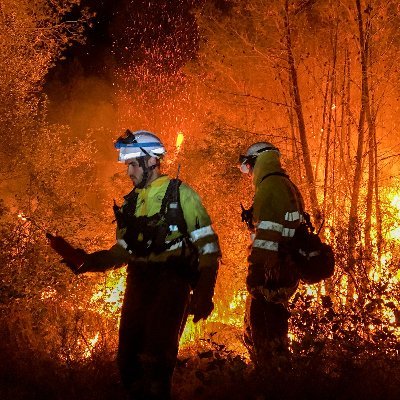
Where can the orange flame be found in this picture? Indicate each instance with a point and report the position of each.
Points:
(179, 140)
(22, 217)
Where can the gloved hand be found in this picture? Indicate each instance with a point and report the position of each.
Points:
(283, 274)
(201, 304)
(73, 258)
(76, 262)
(255, 277)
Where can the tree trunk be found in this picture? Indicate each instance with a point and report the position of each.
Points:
(323, 130)
(295, 92)
(379, 237)
(370, 186)
(345, 126)
(295, 149)
(328, 148)
(353, 224)
(374, 172)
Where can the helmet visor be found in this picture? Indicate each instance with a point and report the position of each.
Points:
(127, 153)
(246, 163)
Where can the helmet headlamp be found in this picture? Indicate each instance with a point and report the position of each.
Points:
(126, 139)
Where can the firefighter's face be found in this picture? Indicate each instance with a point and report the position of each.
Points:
(135, 171)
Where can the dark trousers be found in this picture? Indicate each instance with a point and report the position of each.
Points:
(153, 316)
(266, 330)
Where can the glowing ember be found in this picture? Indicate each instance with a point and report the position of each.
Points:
(48, 293)
(22, 217)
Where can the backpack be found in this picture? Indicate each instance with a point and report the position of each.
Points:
(315, 260)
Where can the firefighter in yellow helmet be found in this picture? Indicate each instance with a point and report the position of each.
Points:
(165, 236)
(272, 275)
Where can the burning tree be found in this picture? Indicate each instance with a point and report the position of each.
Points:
(329, 68)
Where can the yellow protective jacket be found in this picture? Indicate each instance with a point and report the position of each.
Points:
(277, 211)
(149, 203)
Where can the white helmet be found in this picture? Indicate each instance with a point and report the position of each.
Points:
(249, 159)
(139, 144)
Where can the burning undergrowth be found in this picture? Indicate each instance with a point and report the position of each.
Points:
(59, 335)
(60, 331)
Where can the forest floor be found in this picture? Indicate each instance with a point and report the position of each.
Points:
(212, 374)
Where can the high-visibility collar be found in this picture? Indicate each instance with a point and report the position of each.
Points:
(160, 181)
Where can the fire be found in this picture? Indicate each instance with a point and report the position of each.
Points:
(179, 140)
(89, 345)
(108, 295)
(395, 203)
(107, 298)
(178, 144)
(22, 217)
(227, 319)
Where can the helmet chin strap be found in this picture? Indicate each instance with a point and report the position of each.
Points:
(146, 172)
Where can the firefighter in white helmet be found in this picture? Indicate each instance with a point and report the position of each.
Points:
(272, 275)
(165, 236)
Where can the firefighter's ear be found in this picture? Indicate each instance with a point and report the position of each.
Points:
(152, 161)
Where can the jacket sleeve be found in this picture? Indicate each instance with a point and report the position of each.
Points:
(103, 260)
(199, 228)
(267, 218)
(204, 238)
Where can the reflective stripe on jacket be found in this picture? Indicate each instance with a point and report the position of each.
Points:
(277, 211)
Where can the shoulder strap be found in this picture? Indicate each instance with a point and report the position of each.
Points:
(276, 174)
(171, 195)
(171, 207)
(131, 202)
(297, 194)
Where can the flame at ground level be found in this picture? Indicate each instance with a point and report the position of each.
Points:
(225, 324)
(108, 297)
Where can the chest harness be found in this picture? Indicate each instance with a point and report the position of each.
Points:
(145, 235)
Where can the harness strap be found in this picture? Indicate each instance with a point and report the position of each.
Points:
(170, 195)
(171, 207)
(129, 212)
(170, 212)
(275, 173)
(297, 196)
